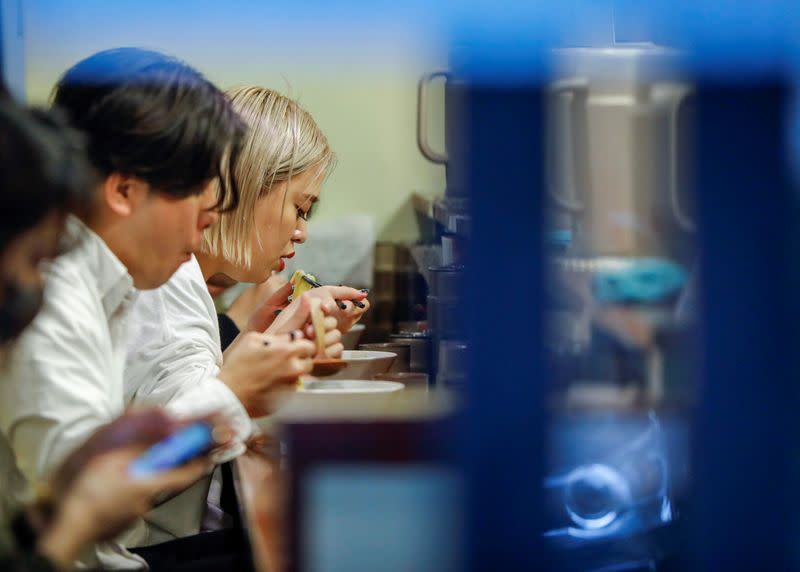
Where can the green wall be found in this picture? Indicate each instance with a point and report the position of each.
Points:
(359, 83)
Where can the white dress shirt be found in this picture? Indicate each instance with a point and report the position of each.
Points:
(174, 352)
(174, 356)
(64, 374)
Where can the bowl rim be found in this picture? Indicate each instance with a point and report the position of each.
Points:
(382, 345)
(376, 386)
(377, 355)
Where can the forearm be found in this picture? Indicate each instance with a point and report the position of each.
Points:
(210, 396)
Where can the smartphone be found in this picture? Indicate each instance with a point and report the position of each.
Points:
(180, 447)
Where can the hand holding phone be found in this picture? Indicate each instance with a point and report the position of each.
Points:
(180, 447)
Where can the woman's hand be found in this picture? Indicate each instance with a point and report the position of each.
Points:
(349, 304)
(257, 366)
(337, 301)
(255, 309)
(298, 314)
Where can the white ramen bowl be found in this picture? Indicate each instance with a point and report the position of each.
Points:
(364, 364)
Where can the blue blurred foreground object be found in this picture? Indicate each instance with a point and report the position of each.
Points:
(646, 280)
(180, 447)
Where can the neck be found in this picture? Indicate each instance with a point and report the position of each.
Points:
(118, 240)
(209, 264)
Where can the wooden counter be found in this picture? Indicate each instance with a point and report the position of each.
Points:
(259, 491)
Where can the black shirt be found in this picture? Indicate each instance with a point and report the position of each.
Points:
(227, 330)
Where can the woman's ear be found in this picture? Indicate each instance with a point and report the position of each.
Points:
(122, 193)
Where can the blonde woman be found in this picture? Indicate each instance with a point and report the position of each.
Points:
(285, 161)
(175, 358)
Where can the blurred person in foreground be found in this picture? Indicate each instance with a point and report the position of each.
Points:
(90, 497)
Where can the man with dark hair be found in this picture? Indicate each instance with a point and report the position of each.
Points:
(163, 129)
(159, 135)
(152, 117)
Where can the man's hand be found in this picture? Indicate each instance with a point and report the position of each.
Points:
(257, 366)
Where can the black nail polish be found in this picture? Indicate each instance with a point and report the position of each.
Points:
(277, 312)
(342, 305)
(266, 343)
(365, 290)
(359, 304)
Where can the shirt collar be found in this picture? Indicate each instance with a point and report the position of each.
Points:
(114, 283)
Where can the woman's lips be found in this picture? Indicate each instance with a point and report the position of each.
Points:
(282, 261)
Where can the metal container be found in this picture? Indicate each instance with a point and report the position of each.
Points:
(615, 122)
(453, 359)
(420, 348)
(455, 92)
(446, 317)
(446, 281)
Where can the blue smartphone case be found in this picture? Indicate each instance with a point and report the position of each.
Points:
(175, 450)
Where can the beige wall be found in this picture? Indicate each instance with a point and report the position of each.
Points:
(363, 96)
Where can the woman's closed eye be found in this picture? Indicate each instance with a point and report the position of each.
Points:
(305, 214)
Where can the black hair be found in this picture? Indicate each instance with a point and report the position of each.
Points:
(43, 169)
(154, 117)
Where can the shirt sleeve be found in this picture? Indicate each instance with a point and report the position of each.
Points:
(58, 388)
(174, 354)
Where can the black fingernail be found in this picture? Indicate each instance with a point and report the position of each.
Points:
(365, 290)
(266, 343)
(342, 305)
(292, 335)
(277, 312)
(359, 304)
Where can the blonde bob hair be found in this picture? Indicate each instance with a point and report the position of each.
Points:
(282, 141)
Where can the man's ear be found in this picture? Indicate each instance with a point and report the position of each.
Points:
(122, 193)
